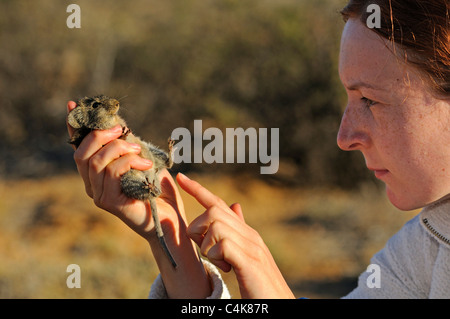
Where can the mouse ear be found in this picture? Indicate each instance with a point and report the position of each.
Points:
(77, 117)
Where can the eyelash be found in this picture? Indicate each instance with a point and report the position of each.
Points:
(368, 102)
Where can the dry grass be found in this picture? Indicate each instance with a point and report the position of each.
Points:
(321, 239)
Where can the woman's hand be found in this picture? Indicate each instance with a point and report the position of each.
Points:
(228, 242)
(101, 160)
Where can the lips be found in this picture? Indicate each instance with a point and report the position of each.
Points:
(379, 173)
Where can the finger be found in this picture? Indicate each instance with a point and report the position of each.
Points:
(200, 226)
(111, 188)
(70, 106)
(217, 231)
(99, 161)
(217, 256)
(200, 193)
(236, 207)
(124, 163)
(223, 250)
(91, 144)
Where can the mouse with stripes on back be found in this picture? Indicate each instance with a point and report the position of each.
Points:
(101, 113)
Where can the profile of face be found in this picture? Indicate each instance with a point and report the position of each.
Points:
(394, 118)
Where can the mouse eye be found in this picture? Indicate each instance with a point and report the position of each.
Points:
(95, 105)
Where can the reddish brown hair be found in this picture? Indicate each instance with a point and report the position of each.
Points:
(420, 27)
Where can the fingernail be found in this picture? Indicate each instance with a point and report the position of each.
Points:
(136, 147)
(116, 129)
(147, 162)
(184, 176)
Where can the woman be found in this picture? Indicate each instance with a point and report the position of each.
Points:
(397, 79)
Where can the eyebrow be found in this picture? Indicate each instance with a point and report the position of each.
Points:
(360, 84)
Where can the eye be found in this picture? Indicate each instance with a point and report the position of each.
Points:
(368, 102)
(95, 105)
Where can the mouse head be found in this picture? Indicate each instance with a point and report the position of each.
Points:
(90, 110)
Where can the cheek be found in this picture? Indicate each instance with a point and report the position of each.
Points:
(405, 138)
(407, 158)
(420, 165)
(396, 152)
(392, 144)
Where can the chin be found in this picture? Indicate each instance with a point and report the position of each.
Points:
(405, 202)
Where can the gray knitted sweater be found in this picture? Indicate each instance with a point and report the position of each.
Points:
(415, 263)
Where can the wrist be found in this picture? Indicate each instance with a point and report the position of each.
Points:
(189, 279)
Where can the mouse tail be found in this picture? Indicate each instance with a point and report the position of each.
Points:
(160, 233)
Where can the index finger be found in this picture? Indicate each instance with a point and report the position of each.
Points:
(200, 193)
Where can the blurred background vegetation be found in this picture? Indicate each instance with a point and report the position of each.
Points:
(230, 63)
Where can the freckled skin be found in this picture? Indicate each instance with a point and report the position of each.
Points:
(101, 113)
(404, 131)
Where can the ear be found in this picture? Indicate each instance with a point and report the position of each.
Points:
(77, 117)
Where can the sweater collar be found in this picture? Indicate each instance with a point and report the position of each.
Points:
(435, 218)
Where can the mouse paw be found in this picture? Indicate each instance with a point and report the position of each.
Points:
(125, 131)
(151, 187)
(169, 161)
(135, 185)
(171, 143)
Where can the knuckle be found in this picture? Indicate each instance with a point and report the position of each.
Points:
(190, 230)
(217, 201)
(225, 244)
(113, 170)
(215, 253)
(94, 161)
(214, 227)
(115, 142)
(204, 249)
(120, 144)
(77, 157)
(257, 240)
(109, 170)
(255, 234)
(204, 252)
(89, 192)
(260, 252)
(213, 212)
(96, 134)
(99, 201)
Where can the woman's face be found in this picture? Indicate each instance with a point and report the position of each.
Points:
(392, 117)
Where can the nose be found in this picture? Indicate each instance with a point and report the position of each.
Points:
(353, 132)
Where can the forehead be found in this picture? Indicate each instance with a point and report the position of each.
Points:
(368, 58)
